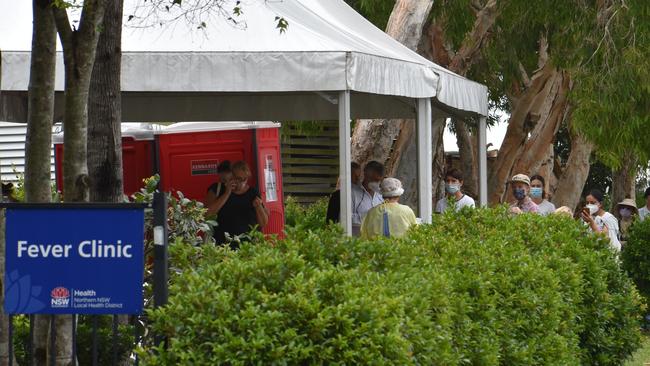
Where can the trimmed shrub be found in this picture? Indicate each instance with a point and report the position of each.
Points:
(636, 256)
(478, 287)
(311, 217)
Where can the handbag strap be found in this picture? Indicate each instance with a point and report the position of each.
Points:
(386, 226)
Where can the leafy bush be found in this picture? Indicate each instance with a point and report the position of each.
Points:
(636, 256)
(185, 217)
(476, 287)
(305, 217)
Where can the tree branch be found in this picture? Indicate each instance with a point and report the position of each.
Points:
(63, 27)
(92, 15)
(470, 49)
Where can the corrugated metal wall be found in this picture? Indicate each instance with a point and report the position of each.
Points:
(12, 151)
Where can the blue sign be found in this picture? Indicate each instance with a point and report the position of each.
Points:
(72, 260)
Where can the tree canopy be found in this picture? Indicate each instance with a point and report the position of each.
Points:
(602, 44)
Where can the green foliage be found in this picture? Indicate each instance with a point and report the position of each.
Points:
(18, 191)
(311, 217)
(477, 287)
(186, 218)
(376, 11)
(636, 256)
(123, 346)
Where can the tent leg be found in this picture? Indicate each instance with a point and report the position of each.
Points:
(425, 199)
(344, 161)
(482, 161)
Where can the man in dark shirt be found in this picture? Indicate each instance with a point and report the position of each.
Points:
(334, 205)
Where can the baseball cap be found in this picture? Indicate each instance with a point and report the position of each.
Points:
(523, 178)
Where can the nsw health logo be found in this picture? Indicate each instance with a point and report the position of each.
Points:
(60, 297)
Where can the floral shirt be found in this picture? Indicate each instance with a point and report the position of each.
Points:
(527, 205)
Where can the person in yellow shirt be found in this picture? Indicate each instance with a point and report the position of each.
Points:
(390, 219)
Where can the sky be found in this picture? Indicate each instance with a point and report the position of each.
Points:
(16, 29)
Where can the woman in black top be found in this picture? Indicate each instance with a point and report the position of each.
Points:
(238, 206)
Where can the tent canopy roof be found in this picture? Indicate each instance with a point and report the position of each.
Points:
(327, 48)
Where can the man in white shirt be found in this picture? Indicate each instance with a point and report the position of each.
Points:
(644, 212)
(455, 196)
(367, 194)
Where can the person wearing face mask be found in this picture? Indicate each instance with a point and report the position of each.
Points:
(454, 195)
(239, 208)
(644, 212)
(538, 195)
(627, 213)
(599, 220)
(520, 185)
(367, 194)
(390, 219)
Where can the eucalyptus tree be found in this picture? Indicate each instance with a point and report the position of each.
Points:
(542, 64)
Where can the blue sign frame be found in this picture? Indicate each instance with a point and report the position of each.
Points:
(74, 259)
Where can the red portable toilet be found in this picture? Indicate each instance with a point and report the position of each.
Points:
(188, 154)
(137, 155)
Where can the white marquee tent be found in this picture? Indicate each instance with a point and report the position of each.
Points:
(330, 64)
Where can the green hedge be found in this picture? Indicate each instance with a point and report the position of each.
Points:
(636, 256)
(479, 287)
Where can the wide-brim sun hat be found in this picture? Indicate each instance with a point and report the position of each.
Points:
(628, 202)
(391, 187)
(523, 178)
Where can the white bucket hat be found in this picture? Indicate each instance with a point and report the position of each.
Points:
(391, 187)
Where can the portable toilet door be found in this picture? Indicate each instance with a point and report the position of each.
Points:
(269, 172)
(188, 154)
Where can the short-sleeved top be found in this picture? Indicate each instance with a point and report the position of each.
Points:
(399, 217)
(465, 201)
(612, 227)
(237, 216)
(644, 213)
(545, 208)
(362, 202)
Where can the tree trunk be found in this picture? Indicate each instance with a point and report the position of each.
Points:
(405, 169)
(528, 109)
(547, 117)
(105, 111)
(373, 139)
(4, 321)
(40, 106)
(433, 45)
(624, 181)
(460, 63)
(38, 141)
(575, 173)
(79, 46)
(467, 155)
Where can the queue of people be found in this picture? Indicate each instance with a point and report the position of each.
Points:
(376, 210)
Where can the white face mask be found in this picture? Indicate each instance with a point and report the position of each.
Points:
(593, 209)
(374, 186)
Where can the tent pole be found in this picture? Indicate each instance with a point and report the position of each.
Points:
(344, 161)
(482, 161)
(424, 146)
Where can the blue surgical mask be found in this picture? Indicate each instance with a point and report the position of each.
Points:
(452, 188)
(519, 193)
(536, 192)
(625, 212)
